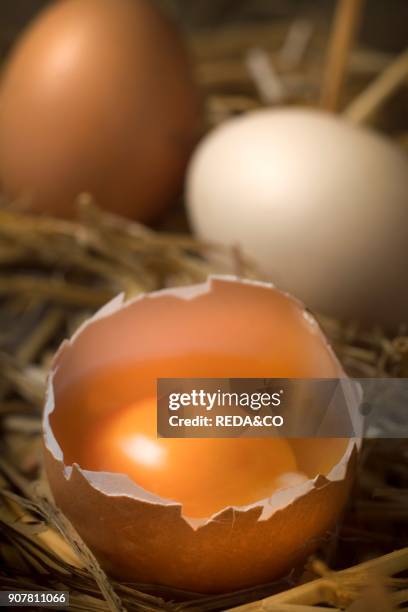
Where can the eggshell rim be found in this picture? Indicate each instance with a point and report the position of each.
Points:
(107, 482)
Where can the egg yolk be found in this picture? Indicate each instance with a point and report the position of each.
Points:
(204, 475)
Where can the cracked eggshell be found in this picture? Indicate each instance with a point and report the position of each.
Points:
(138, 536)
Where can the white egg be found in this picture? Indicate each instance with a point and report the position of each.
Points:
(321, 206)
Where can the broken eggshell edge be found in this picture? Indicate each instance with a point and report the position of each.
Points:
(79, 492)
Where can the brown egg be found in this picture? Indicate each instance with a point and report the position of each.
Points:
(97, 97)
(205, 515)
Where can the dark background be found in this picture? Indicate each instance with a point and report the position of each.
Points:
(384, 24)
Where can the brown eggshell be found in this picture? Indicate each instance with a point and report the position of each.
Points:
(138, 536)
(97, 97)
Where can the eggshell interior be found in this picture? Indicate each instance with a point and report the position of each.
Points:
(139, 536)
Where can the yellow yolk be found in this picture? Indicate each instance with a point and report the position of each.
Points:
(204, 475)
